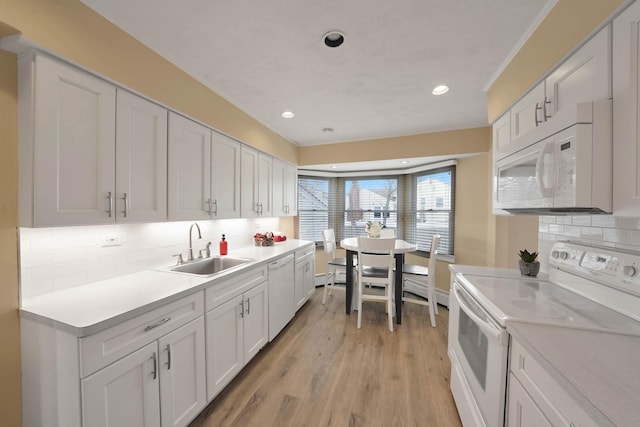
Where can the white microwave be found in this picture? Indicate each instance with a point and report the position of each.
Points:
(564, 168)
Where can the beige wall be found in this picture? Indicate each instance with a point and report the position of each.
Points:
(75, 32)
(9, 325)
(568, 23)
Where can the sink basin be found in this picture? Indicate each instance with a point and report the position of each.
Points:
(210, 266)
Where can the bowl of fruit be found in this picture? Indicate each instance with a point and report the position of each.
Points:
(263, 239)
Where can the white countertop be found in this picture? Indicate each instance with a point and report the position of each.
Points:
(402, 246)
(87, 309)
(599, 370)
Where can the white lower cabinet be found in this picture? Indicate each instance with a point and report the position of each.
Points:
(534, 398)
(282, 303)
(236, 331)
(304, 275)
(161, 384)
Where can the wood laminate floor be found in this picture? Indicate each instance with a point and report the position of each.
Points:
(323, 371)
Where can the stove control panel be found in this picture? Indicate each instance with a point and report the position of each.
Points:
(610, 266)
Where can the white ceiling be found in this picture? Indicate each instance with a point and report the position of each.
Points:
(268, 56)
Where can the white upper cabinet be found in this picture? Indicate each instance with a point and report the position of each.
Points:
(189, 169)
(502, 132)
(626, 114)
(141, 160)
(528, 112)
(285, 181)
(225, 177)
(256, 184)
(585, 76)
(67, 145)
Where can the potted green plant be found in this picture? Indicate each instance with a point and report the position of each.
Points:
(528, 264)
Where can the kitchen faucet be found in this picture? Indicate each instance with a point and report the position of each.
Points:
(190, 255)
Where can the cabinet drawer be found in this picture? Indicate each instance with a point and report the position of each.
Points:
(305, 254)
(103, 348)
(228, 289)
(548, 395)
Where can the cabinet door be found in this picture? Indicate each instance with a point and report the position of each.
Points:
(249, 183)
(74, 146)
(141, 160)
(626, 114)
(300, 283)
(182, 374)
(501, 132)
(310, 277)
(225, 177)
(189, 169)
(527, 113)
(521, 409)
(125, 393)
(265, 184)
(256, 320)
(224, 344)
(279, 188)
(291, 192)
(585, 76)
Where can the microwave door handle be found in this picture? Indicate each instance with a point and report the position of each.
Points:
(547, 149)
(493, 331)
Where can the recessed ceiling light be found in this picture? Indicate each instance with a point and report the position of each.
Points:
(287, 114)
(333, 38)
(327, 130)
(440, 90)
(404, 162)
(334, 167)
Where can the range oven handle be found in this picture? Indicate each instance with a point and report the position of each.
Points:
(494, 331)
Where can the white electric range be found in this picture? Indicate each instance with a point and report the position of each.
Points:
(587, 288)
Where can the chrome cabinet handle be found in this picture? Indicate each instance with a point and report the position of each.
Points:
(248, 306)
(155, 325)
(126, 204)
(168, 348)
(208, 210)
(155, 365)
(110, 199)
(538, 108)
(544, 108)
(215, 211)
(241, 308)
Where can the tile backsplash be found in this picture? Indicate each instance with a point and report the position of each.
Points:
(594, 230)
(53, 259)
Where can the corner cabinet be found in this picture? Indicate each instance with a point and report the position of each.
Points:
(67, 144)
(626, 112)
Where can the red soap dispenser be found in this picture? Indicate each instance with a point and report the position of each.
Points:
(223, 246)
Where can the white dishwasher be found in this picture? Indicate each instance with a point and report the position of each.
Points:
(282, 302)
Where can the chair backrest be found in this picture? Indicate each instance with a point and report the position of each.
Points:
(431, 278)
(376, 253)
(329, 239)
(388, 232)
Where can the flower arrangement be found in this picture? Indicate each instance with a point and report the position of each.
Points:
(373, 228)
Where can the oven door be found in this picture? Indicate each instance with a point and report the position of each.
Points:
(478, 349)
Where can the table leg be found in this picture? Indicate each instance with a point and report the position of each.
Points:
(349, 280)
(398, 287)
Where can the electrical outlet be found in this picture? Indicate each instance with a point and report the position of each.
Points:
(258, 225)
(112, 240)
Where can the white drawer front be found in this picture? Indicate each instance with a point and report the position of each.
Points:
(103, 348)
(304, 254)
(548, 395)
(225, 290)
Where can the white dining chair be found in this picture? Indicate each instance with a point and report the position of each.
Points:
(421, 281)
(334, 265)
(375, 266)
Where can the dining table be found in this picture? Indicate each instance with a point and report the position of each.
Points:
(402, 247)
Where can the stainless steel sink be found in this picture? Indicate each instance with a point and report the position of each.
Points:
(210, 266)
